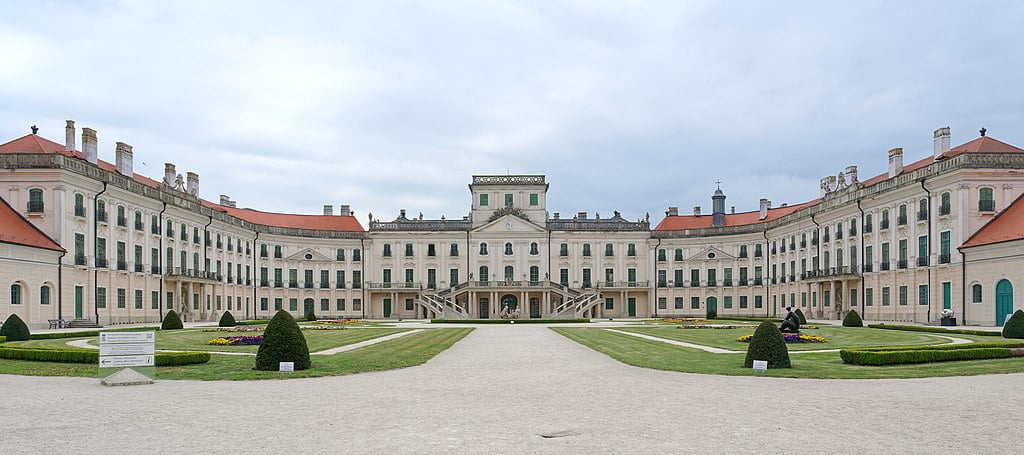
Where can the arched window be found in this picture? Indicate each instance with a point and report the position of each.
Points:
(902, 218)
(79, 205)
(483, 249)
(101, 211)
(508, 248)
(976, 293)
(534, 274)
(985, 202)
(154, 224)
(868, 221)
(184, 259)
(839, 230)
(15, 294)
(35, 200)
(484, 275)
(853, 226)
(44, 295)
(195, 261)
(184, 232)
(944, 205)
(922, 207)
(679, 254)
(533, 249)
(509, 273)
(122, 217)
(661, 255)
(138, 220)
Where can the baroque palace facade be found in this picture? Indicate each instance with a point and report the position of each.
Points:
(92, 241)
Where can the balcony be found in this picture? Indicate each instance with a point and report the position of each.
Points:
(853, 231)
(411, 285)
(155, 230)
(307, 285)
(325, 285)
(170, 233)
(803, 244)
(101, 217)
(774, 251)
(293, 284)
(782, 279)
(868, 268)
(792, 245)
(901, 264)
(278, 284)
(694, 283)
(79, 260)
(727, 283)
(80, 211)
(883, 225)
(139, 226)
(139, 267)
(987, 205)
(744, 282)
(743, 255)
(922, 261)
(814, 241)
(826, 238)
(122, 221)
(220, 245)
(155, 270)
(757, 281)
(922, 216)
(867, 229)
(757, 253)
(101, 262)
(839, 234)
(944, 258)
(944, 209)
(901, 220)
(263, 254)
(775, 280)
(617, 284)
(792, 278)
(884, 266)
(193, 273)
(264, 283)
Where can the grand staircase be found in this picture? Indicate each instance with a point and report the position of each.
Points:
(574, 303)
(442, 306)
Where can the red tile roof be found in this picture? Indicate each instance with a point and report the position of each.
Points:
(14, 228)
(1005, 226)
(32, 143)
(983, 144)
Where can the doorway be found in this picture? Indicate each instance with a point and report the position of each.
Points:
(485, 309)
(631, 307)
(712, 308)
(509, 302)
(387, 308)
(1004, 301)
(79, 301)
(534, 307)
(307, 307)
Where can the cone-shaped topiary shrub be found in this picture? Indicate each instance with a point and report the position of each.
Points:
(282, 342)
(852, 319)
(1014, 328)
(800, 314)
(171, 321)
(767, 344)
(14, 329)
(310, 315)
(227, 320)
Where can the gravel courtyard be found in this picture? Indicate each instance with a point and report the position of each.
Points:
(502, 390)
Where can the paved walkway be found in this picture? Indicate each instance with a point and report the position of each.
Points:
(498, 391)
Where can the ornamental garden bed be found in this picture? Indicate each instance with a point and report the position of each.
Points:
(790, 338)
(236, 341)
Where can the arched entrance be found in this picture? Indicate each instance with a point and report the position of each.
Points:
(1004, 301)
(307, 307)
(712, 307)
(509, 302)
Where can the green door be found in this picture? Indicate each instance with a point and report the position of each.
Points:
(712, 308)
(484, 309)
(387, 308)
(307, 307)
(631, 306)
(947, 295)
(79, 301)
(1004, 301)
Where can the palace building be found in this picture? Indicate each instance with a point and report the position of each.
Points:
(92, 242)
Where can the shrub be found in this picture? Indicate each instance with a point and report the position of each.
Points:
(283, 341)
(852, 319)
(800, 314)
(227, 320)
(1014, 328)
(2, 339)
(917, 328)
(15, 329)
(172, 322)
(905, 356)
(77, 355)
(254, 322)
(310, 315)
(767, 344)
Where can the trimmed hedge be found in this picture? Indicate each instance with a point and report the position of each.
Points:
(15, 329)
(254, 322)
(283, 341)
(905, 356)
(2, 339)
(506, 321)
(87, 333)
(943, 347)
(172, 322)
(918, 328)
(226, 320)
(768, 344)
(77, 355)
(1014, 328)
(800, 314)
(852, 319)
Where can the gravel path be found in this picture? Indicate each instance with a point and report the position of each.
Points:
(498, 391)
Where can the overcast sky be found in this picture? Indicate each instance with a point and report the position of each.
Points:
(631, 106)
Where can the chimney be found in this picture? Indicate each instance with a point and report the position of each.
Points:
(225, 200)
(89, 145)
(851, 175)
(401, 214)
(556, 215)
(672, 211)
(581, 215)
(765, 205)
(123, 159)
(941, 141)
(732, 209)
(328, 210)
(895, 161)
(192, 183)
(170, 173)
(696, 211)
(69, 136)
(344, 210)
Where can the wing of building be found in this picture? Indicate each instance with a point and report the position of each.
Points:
(137, 247)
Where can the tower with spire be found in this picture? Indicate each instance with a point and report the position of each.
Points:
(718, 206)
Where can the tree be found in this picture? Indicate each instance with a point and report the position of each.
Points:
(283, 341)
(800, 314)
(852, 319)
(768, 344)
(171, 322)
(15, 329)
(227, 320)
(1014, 328)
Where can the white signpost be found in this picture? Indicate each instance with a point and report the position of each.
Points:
(760, 365)
(127, 358)
(286, 367)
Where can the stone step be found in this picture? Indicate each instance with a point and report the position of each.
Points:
(83, 324)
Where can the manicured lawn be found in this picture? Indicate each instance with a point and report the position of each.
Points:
(662, 356)
(406, 351)
(836, 337)
(317, 340)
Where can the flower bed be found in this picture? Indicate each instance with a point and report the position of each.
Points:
(236, 341)
(323, 327)
(791, 338)
(244, 328)
(336, 322)
(705, 326)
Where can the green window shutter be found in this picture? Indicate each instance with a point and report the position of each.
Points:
(534, 199)
(483, 200)
(508, 200)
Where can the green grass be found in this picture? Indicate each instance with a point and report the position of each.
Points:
(662, 356)
(836, 337)
(317, 340)
(406, 351)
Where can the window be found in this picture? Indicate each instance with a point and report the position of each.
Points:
(922, 294)
(138, 299)
(903, 295)
(508, 200)
(944, 205)
(340, 279)
(922, 250)
(325, 279)
(744, 302)
(885, 219)
(533, 249)
(325, 304)
(483, 200)
(277, 252)
(586, 278)
(79, 205)
(677, 276)
(609, 303)
(154, 300)
(661, 255)
(694, 303)
(357, 304)
(712, 278)
(869, 297)
(743, 251)
(985, 202)
(340, 304)
(901, 219)
(534, 199)
(868, 220)
(15, 294)
(357, 254)
(35, 200)
(293, 304)
(662, 279)
(408, 250)
(277, 304)
(662, 303)
(483, 249)
(387, 250)
(386, 277)
(679, 254)
(340, 254)
(694, 278)
(453, 277)
(609, 276)
(454, 250)
(563, 277)
(680, 303)
(101, 297)
(902, 254)
(508, 248)
(431, 250)
(631, 276)
(609, 249)
(431, 278)
(509, 273)
(727, 302)
(484, 275)
(976, 293)
(631, 250)
(101, 211)
(357, 279)
(563, 250)
(586, 249)
(922, 210)
(409, 305)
